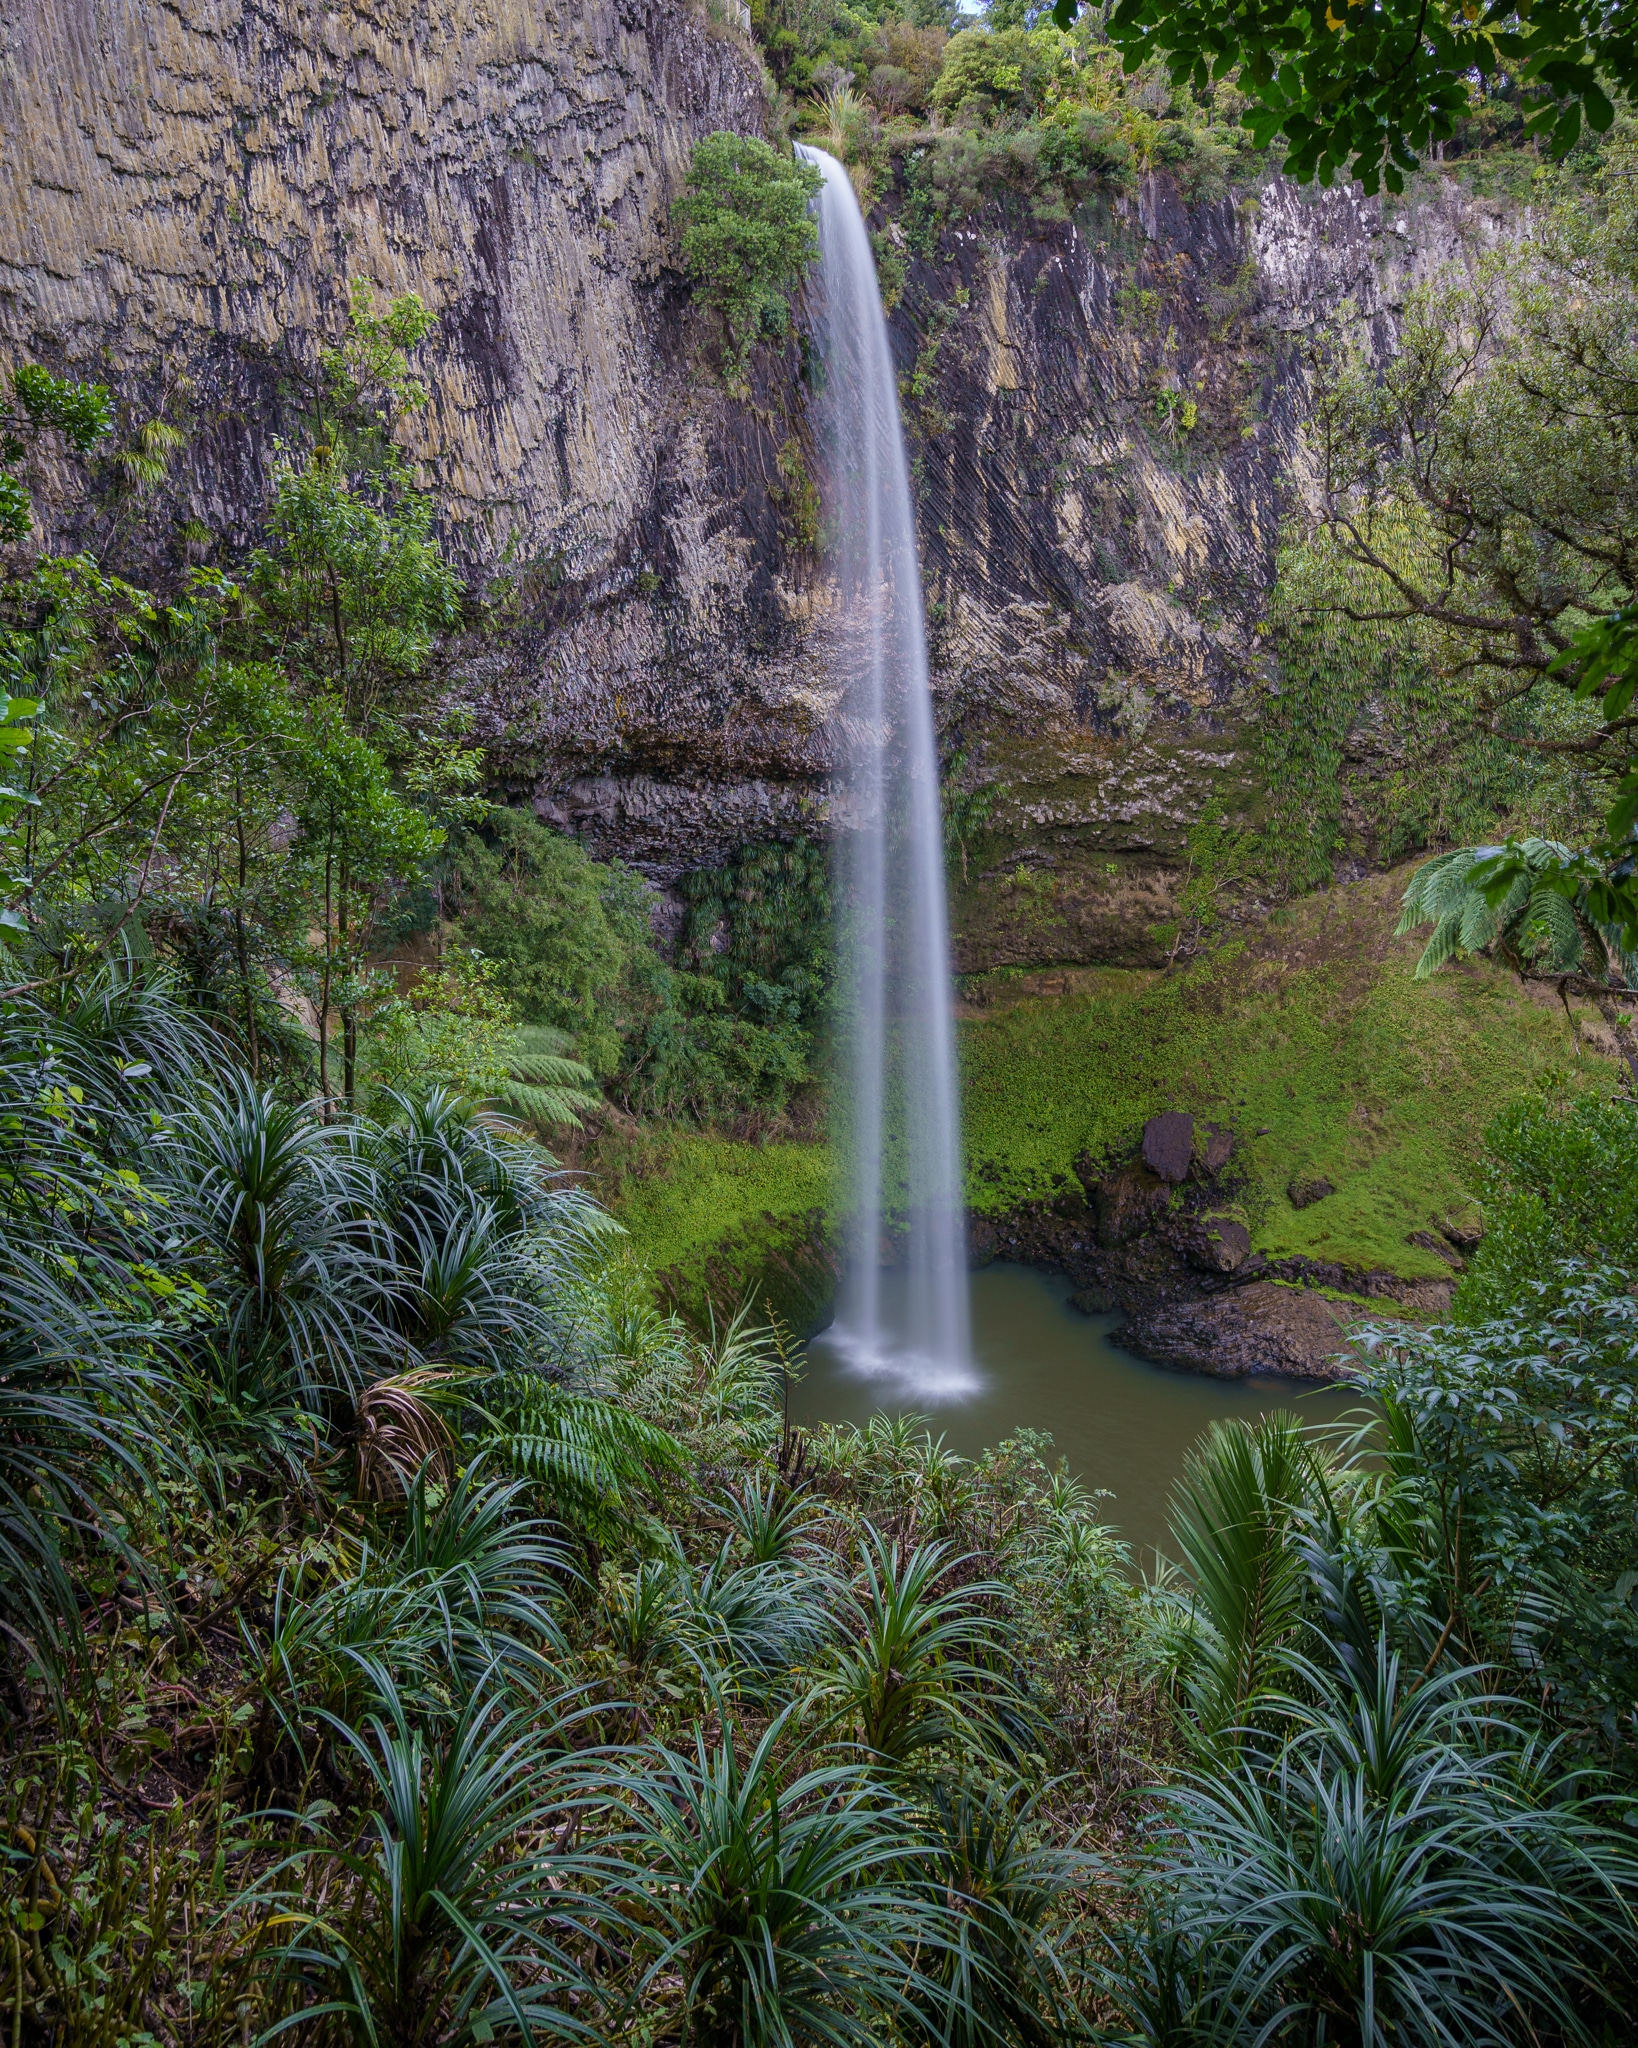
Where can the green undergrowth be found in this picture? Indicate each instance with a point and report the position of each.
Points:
(1312, 1041)
(718, 1219)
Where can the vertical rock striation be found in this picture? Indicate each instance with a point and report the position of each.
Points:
(188, 187)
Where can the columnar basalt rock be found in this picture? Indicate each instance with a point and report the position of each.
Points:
(186, 190)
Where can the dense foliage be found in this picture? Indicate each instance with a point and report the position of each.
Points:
(257, 780)
(411, 1635)
(747, 235)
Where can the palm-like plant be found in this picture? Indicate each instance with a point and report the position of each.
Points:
(1236, 1514)
(762, 1619)
(286, 1207)
(1399, 1863)
(780, 1906)
(773, 1522)
(1005, 1976)
(456, 1922)
(78, 1407)
(1523, 904)
(913, 1674)
(494, 1572)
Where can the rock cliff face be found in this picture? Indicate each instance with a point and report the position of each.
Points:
(1104, 415)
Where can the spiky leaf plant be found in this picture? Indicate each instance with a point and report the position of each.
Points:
(913, 1671)
(1235, 1516)
(454, 1920)
(1397, 1860)
(777, 1904)
(1009, 1973)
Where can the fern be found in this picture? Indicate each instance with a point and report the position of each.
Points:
(1534, 925)
(590, 1454)
(544, 1084)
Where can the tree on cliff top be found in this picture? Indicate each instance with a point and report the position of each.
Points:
(1364, 89)
(747, 237)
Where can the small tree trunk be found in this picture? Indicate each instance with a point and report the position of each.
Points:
(324, 993)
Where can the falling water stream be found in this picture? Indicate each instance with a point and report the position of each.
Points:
(903, 1338)
(899, 1108)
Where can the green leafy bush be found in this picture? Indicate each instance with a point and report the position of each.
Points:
(1519, 1438)
(1559, 1180)
(747, 236)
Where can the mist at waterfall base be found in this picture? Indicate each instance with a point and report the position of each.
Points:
(896, 1110)
(1121, 1424)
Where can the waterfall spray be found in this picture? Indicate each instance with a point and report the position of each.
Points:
(899, 1106)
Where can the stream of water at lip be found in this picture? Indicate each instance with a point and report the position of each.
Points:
(899, 1107)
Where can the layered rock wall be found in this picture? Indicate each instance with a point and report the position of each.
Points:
(1104, 415)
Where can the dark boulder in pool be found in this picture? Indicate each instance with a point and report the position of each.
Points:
(1250, 1331)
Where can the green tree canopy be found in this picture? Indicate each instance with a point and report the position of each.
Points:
(1364, 87)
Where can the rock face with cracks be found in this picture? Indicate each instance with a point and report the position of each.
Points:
(187, 189)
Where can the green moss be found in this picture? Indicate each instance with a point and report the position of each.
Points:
(716, 1218)
(1311, 1040)
(1314, 1043)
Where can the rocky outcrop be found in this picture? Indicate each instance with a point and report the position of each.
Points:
(1253, 1331)
(186, 189)
(1173, 1253)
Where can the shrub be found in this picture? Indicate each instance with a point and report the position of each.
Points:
(1560, 1181)
(747, 236)
(1010, 68)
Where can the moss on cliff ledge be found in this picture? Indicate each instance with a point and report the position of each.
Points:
(716, 1217)
(1309, 1038)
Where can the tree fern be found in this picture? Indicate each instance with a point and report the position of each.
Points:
(544, 1084)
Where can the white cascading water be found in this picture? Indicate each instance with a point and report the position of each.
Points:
(900, 1108)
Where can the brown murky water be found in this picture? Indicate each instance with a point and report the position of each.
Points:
(1122, 1424)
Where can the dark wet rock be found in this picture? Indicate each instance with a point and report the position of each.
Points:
(1304, 1192)
(1218, 1148)
(1439, 1245)
(1217, 1244)
(1127, 1202)
(1093, 1301)
(1263, 1329)
(983, 1244)
(1168, 1145)
(1463, 1237)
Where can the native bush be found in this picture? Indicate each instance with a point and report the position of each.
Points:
(747, 237)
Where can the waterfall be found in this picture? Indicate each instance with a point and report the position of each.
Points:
(899, 1107)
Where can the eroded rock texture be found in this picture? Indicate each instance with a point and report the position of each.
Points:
(187, 187)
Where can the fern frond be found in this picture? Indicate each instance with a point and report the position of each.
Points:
(1552, 932)
(589, 1452)
(544, 1084)
(1444, 945)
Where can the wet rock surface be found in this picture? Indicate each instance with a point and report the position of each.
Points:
(186, 191)
(1251, 1331)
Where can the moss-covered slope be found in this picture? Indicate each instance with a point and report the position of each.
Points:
(1310, 1037)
